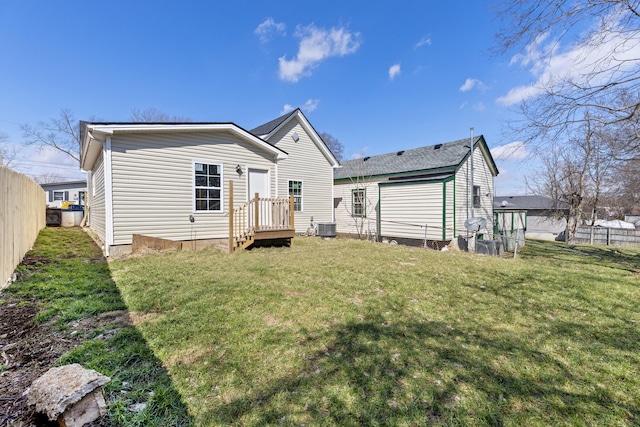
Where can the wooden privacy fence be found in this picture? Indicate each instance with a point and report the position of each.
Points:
(608, 236)
(22, 216)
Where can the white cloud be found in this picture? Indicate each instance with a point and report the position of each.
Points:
(309, 106)
(360, 154)
(471, 84)
(479, 107)
(516, 150)
(268, 28)
(595, 61)
(286, 108)
(425, 41)
(394, 71)
(316, 45)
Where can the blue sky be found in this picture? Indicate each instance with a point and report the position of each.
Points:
(378, 76)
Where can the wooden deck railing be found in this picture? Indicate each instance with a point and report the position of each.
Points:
(258, 215)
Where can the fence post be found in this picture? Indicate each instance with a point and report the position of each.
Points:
(608, 236)
(591, 236)
(425, 236)
(256, 214)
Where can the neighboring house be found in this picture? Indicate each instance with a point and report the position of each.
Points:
(634, 219)
(173, 180)
(545, 217)
(412, 194)
(57, 193)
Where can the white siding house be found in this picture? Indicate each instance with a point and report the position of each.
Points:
(57, 193)
(419, 194)
(307, 173)
(172, 180)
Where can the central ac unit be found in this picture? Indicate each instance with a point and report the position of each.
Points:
(326, 229)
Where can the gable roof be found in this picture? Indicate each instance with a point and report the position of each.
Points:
(429, 159)
(269, 129)
(528, 203)
(270, 126)
(92, 135)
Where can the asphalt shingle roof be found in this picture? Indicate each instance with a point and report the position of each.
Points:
(449, 154)
(269, 126)
(528, 203)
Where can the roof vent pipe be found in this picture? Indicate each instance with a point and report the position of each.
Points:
(471, 145)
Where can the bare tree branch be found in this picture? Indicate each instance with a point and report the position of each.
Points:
(153, 115)
(62, 134)
(334, 145)
(8, 152)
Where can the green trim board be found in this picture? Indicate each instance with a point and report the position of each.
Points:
(444, 211)
(442, 181)
(400, 174)
(417, 181)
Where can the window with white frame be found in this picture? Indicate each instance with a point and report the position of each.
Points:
(295, 190)
(476, 196)
(358, 203)
(207, 183)
(58, 196)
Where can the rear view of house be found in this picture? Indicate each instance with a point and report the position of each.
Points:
(417, 195)
(175, 181)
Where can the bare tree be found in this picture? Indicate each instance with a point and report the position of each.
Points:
(62, 134)
(153, 115)
(603, 37)
(334, 145)
(8, 152)
(358, 204)
(48, 178)
(581, 172)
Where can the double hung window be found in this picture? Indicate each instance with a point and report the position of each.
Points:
(208, 187)
(295, 190)
(358, 203)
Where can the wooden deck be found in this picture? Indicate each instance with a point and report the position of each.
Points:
(260, 219)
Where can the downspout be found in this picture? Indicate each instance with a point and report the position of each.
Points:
(454, 206)
(108, 196)
(277, 182)
(333, 205)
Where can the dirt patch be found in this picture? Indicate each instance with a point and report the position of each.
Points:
(29, 349)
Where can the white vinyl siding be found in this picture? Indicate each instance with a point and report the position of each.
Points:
(346, 222)
(97, 212)
(483, 178)
(406, 208)
(307, 164)
(153, 183)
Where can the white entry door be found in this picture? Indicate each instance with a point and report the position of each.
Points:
(259, 183)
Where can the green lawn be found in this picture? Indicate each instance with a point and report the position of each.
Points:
(344, 332)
